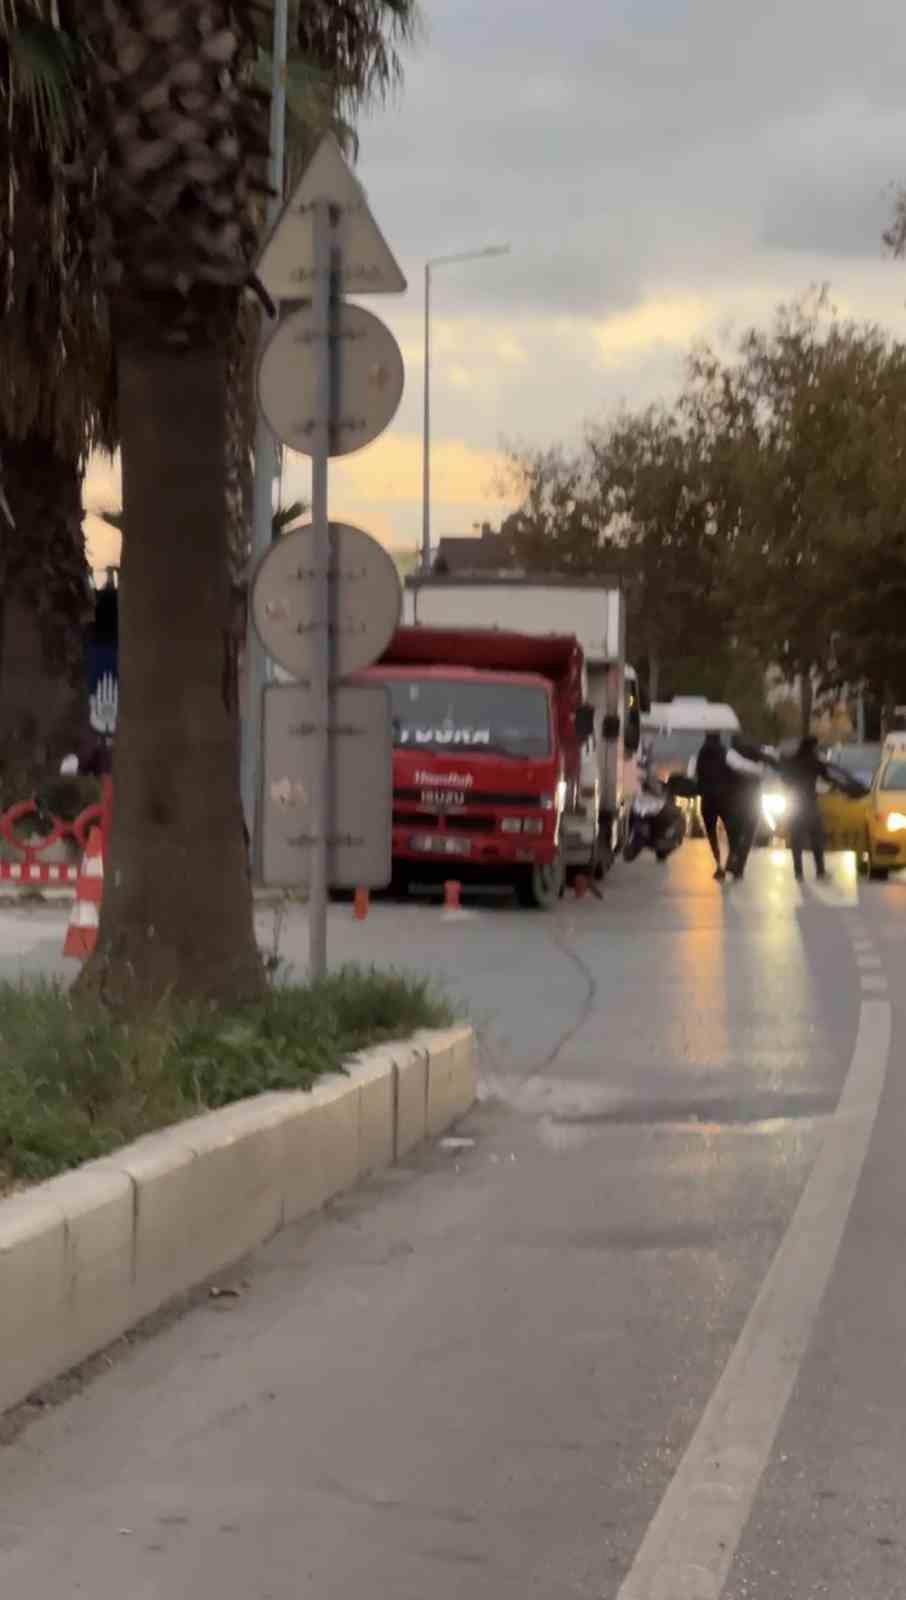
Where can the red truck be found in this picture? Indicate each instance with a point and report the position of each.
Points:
(487, 734)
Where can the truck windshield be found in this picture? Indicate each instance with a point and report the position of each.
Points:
(440, 713)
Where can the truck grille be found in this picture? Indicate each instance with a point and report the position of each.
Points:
(458, 821)
(415, 819)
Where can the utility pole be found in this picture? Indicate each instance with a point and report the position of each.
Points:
(266, 465)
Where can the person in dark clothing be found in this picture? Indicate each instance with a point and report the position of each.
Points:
(714, 787)
(801, 773)
(96, 755)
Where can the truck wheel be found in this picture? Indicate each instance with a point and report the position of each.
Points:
(542, 887)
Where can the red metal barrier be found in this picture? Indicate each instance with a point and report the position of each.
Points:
(30, 868)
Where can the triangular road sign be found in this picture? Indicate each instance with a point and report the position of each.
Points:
(287, 261)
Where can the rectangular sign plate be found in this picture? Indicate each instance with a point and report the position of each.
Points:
(361, 807)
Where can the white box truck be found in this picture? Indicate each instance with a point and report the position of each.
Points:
(594, 612)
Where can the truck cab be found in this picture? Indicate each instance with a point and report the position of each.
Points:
(486, 755)
(593, 613)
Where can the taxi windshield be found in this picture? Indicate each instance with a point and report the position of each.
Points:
(894, 775)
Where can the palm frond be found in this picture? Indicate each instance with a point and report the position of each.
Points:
(37, 76)
(286, 518)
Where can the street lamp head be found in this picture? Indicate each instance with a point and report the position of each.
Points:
(469, 255)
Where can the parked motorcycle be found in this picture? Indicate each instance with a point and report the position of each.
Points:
(656, 822)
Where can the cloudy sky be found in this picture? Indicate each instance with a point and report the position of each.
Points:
(663, 170)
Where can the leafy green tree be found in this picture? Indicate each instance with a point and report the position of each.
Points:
(794, 433)
(560, 525)
(648, 470)
(630, 504)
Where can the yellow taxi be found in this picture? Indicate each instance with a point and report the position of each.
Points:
(844, 815)
(885, 811)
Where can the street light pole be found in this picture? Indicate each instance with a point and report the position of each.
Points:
(426, 432)
(438, 261)
(266, 461)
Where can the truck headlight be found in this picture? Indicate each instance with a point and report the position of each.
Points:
(896, 822)
(522, 825)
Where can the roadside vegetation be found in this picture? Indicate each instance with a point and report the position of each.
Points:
(756, 522)
(78, 1081)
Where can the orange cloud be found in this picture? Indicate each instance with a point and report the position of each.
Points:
(379, 489)
(674, 321)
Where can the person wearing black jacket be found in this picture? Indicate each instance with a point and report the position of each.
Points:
(715, 788)
(801, 773)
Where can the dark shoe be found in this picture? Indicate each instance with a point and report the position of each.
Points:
(821, 877)
(798, 876)
(719, 875)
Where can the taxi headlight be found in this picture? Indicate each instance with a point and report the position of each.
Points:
(896, 822)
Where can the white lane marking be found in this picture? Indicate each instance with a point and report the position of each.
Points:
(863, 946)
(690, 1545)
(874, 983)
(867, 961)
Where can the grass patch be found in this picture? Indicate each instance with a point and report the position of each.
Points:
(77, 1082)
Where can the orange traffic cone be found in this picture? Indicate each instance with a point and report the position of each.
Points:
(82, 933)
(451, 895)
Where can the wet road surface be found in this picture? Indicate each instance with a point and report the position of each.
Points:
(642, 1337)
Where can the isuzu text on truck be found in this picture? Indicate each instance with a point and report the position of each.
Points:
(487, 731)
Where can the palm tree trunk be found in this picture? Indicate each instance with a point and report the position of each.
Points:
(241, 410)
(177, 911)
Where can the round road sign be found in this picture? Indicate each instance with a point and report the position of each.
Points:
(367, 379)
(364, 594)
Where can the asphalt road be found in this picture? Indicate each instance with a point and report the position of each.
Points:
(641, 1337)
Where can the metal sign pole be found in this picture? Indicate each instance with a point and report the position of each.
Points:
(322, 295)
(326, 601)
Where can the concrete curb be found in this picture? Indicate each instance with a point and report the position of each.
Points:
(86, 1256)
